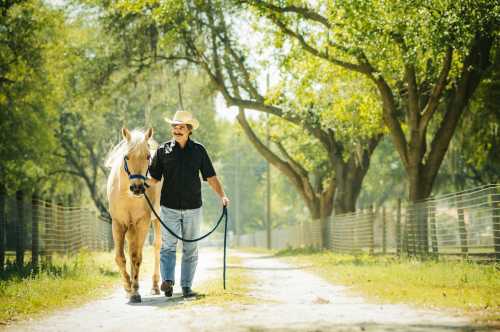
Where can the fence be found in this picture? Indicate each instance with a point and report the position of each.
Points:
(465, 224)
(45, 228)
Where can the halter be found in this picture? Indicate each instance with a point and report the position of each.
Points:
(135, 176)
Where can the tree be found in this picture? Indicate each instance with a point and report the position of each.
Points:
(425, 58)
(204, 39)
(26, 98)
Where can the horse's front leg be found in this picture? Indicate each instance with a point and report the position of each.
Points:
(119, 231)
(136, 237)
(157, 246)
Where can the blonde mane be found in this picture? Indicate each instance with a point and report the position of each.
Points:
(116, 154)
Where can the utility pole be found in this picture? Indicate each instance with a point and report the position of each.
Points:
(268, 195)
(237, 223)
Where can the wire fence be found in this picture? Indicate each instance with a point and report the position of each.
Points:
(39, 228)
(464, 225)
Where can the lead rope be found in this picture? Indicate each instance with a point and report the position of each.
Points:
(223, 215)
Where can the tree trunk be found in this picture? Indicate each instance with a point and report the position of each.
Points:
(348, 180)
(326, 208)
(20, 229)
(420, 187)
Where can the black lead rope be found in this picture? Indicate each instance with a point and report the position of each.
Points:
(223, 216)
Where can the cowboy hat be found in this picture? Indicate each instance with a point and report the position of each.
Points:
(184, 117)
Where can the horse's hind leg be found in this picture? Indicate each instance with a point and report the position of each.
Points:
(157, 246)
(136, 237)
(119, 239)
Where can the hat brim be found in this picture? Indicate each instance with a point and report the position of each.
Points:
(193, 122)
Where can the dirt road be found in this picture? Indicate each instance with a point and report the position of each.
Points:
(290, 299)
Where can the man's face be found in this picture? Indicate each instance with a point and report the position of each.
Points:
(180, 132)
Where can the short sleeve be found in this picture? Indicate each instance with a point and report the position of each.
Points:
(207, 169)
(155, 168)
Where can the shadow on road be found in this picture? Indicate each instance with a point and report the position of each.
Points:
(378, 328)
(251, 268)
(162, 301)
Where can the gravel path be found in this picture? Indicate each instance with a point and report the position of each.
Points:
(292, 299)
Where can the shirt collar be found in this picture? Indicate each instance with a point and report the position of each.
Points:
(189, 144)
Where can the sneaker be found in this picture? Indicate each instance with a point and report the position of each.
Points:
(168, 287)
(188, 292)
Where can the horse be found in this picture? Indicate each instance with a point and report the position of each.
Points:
(130, 214)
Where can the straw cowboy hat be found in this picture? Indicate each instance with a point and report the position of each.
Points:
(184, 117)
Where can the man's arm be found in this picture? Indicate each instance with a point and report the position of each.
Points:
(214, 183)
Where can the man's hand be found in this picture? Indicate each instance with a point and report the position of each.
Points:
(225, 201)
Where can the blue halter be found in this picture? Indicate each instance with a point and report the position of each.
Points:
(135, 176)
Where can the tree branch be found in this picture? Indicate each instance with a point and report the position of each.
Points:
(323, 55)
(302, 184)
(474, 67)
(298, 168)
(302, 11)
(437, 91)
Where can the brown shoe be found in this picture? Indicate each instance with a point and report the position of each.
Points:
(188, 292)
(168, 287)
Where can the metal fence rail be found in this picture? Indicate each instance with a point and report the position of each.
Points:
(45, 228)
(464, 224)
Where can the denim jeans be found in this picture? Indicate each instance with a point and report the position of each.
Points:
(189, 229)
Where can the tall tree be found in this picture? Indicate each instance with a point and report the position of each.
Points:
(204, 39)
(27, 97)
(426, 59)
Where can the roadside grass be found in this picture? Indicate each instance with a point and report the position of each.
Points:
(65, 281)
(238, 285)
(468, 287)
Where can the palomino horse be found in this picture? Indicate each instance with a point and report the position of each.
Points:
(131, 216)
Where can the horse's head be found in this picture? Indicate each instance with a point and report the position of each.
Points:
(136, 159)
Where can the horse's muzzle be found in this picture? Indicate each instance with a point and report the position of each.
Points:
(138, 189)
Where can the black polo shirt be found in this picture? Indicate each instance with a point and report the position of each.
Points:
(180, 168)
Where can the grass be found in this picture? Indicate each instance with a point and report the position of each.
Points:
(62, 282)
(238, 284)
(468, 287)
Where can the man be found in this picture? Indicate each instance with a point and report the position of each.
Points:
(179, 161)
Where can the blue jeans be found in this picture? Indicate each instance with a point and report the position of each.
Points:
(189, 229)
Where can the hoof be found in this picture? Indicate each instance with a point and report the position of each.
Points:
(155, 291)
(136, 298)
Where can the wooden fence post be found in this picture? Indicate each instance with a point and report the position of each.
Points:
(2, 228)
(495, 206)
(462, 230)
(384, 232)
(51, 227)
(398, 228)
(407, 231)
(19, 229)
(34, 232)
(372, 231)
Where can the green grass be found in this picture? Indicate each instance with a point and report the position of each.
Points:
(238, 285)
(62, 282)
(468, 287)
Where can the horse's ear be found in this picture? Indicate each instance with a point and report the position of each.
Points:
(126, 134)
(148, 134)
